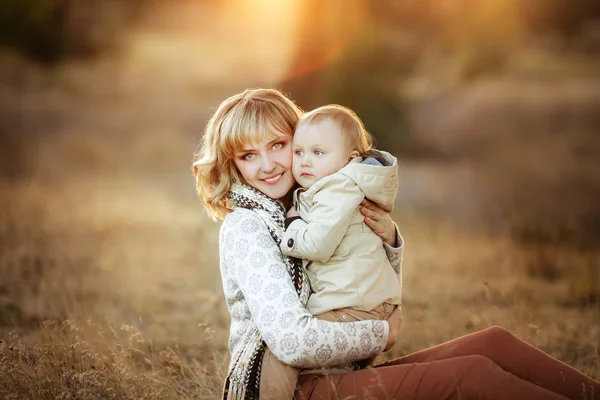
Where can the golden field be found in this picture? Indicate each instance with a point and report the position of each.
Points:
(110, 282)
(110, 285)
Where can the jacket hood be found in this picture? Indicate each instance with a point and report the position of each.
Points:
(376, 176)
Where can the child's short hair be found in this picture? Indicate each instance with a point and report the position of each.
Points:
(245, 118)
(350, 124)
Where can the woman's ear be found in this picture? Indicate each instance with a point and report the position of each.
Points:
(354, 154)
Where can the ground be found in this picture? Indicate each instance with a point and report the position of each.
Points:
(111, 285)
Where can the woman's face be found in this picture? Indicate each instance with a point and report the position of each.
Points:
(267, 166)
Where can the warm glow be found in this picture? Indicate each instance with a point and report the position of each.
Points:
(251, 42)
(239, 42)
(323, 33)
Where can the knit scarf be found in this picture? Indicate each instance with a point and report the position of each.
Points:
(243, 381)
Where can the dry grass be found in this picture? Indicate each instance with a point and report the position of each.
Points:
(111, 290)
(100, 299)
(87, 360)
(110, 285)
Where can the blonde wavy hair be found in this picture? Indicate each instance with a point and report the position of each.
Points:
(349, 123)
(252, 116)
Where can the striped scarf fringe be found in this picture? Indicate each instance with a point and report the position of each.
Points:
(243, 381)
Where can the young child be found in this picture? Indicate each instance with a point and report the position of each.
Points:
(350, 275)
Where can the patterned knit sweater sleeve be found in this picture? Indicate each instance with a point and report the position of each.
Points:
(259, 290)
(394, 254)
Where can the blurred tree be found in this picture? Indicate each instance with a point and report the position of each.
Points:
(51, 30)
(35, 27)
(355, 67)
(565, 17)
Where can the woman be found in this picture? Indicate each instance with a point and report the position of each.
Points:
(243, 174)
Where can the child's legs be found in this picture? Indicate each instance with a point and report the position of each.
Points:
(277, 380)
(350, 314)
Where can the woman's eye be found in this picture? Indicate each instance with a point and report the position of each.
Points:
(249, 156)
(277, 146)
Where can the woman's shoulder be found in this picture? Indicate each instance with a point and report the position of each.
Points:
(243, 231)
(243, 221)
(240, 215)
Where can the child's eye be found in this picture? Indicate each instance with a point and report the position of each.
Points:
(318, 153)
(298, 153)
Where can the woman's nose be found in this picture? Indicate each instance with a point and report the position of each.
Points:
(268, 164)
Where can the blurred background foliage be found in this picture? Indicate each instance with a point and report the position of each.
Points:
(383, 57)
(51, 31)
(398, 65)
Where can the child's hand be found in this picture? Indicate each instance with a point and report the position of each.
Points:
(292, 212)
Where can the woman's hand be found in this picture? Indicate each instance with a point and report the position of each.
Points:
(395, 323)
(379, 221)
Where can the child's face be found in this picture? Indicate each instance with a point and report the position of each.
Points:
(320, 150)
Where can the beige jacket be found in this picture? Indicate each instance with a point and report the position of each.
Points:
(347, 264)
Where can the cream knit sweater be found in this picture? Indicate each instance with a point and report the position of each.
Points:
(259, 291)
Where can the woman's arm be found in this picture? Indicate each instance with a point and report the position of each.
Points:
(254, 263)
(380, 222)
(383, 226)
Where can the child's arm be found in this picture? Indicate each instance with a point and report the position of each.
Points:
(330, 217)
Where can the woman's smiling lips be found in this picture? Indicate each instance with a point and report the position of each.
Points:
(273, 180)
